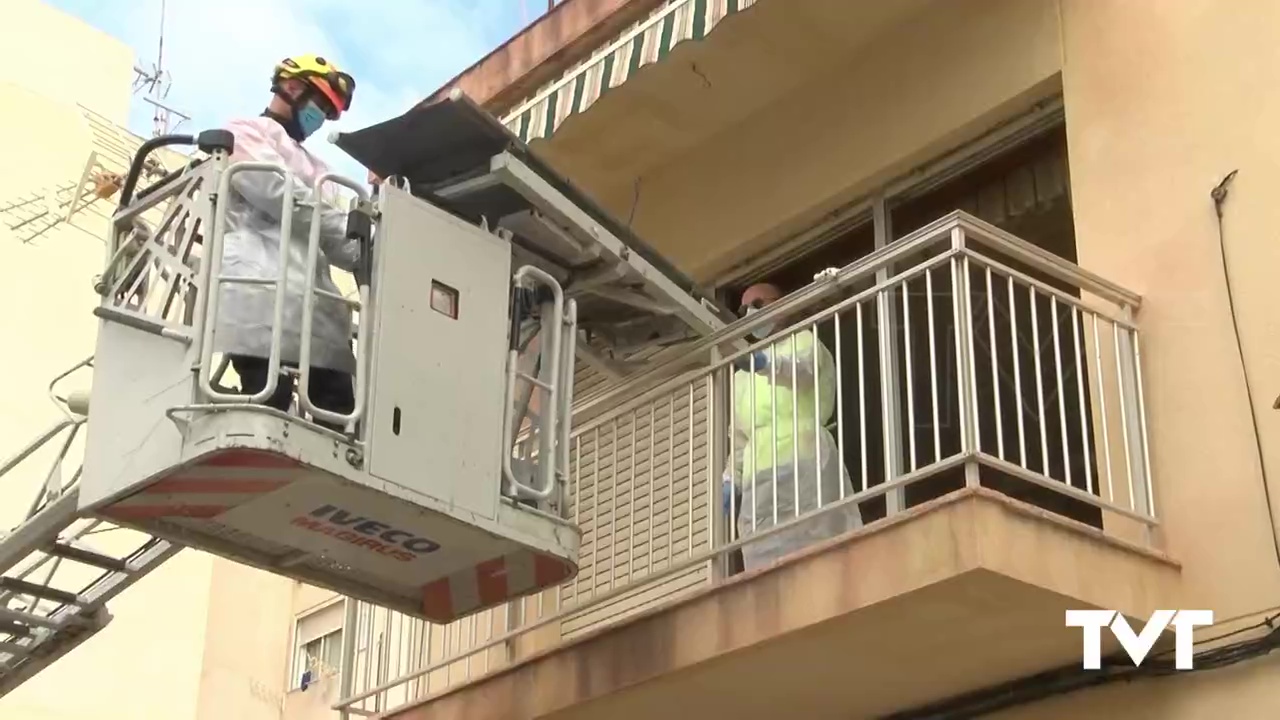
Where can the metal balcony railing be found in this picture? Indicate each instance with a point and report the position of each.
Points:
(958, 356)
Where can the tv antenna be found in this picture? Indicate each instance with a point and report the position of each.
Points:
(156, 81)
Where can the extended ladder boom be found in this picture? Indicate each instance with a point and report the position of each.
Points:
(58, 569)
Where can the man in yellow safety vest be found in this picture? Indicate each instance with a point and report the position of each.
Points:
(785, 462)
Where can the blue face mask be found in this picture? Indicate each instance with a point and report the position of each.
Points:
(310, 117)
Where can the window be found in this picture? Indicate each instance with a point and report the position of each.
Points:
(320, 657)
(1018, 182)
(317, 646)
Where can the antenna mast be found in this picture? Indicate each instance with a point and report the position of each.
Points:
(157, 81)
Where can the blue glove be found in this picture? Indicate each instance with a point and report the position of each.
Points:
(744, 363)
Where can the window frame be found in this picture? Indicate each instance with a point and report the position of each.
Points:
(297, 662)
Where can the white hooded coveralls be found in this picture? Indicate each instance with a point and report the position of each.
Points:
(251, 248)
(790, 464)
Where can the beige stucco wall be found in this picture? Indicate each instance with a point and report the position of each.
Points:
(66, 59)
(1160, 106)
(246, 645)
(186, 641)
(155, 639)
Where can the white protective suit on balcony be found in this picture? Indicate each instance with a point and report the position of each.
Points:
(252, 249)
(786, 462)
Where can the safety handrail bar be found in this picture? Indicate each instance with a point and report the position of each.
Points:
(68, 405)
(213, 280)
(139, 161)
(309, 293)
(979, 231)
(547, 423)
(565, 410)
(47, 489)
(38, 443)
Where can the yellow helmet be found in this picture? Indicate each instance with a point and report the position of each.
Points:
(336, 86)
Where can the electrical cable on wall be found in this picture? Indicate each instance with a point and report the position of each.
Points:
(1219, 196)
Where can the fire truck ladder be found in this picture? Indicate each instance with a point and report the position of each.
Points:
(58, 569)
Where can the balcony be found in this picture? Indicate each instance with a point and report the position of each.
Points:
(985, 400)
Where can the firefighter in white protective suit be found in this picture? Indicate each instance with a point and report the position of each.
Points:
(785, 462)
(308, 90)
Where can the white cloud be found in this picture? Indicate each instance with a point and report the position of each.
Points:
(220, 53)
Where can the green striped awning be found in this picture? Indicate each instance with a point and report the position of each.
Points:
(647, 42)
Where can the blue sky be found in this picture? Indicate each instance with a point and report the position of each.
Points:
(220, 52)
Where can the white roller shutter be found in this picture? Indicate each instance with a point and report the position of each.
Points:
(640, 481)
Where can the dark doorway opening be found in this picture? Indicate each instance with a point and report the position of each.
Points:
(1024, 191)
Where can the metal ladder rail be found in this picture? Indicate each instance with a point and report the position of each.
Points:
(41, 621)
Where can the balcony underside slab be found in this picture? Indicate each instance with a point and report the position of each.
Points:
(967, 591)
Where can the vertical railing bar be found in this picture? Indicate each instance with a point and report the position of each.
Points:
(1082, 369)
(862, 402)
(907, 353)
(712, 454)
(384, 658)
(1062, 396)
(933, 365)
(795, 433)
(773, 423)
(1102, 409)
(394, 655)
(1124, 416)
(972, 412)
(1040, 411)
(1142, 424)
(350, 634)
(1020, 405)
(958, 320)
(368, 648)
(817, 417)
(890, 412)
(411, 691)
(840, 400)
(424, 656)
(995, 364)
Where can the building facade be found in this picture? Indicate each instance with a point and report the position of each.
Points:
(1041, 398)
(999, 218)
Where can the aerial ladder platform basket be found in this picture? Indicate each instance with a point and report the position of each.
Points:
(445, 490)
